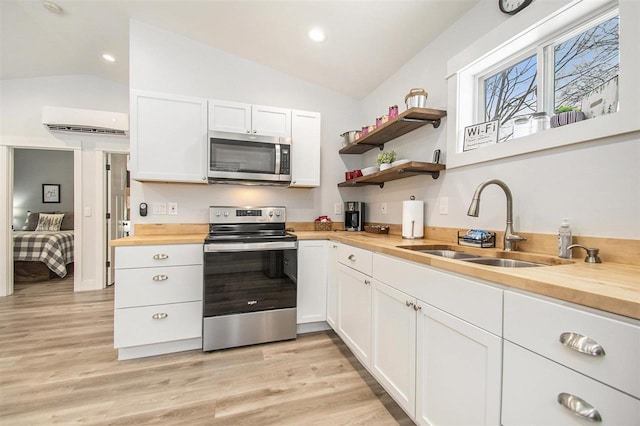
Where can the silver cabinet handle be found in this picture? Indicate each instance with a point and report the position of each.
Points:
(160, 256)
(579, 407)
(406, 302)
(417, 307)
(352, 257)
(582, 344)
(160, 277)
(367, 282)
(159, 315)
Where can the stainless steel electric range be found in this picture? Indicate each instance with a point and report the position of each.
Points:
(250, 265)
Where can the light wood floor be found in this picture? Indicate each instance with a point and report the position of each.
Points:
(58, 366)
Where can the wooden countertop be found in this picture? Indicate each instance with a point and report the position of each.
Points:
(611, 287)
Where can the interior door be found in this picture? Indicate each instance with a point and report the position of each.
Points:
(116, 169)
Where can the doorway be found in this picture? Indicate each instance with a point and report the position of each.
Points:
(116, 206)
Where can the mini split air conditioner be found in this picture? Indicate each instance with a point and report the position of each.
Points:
(71, 120)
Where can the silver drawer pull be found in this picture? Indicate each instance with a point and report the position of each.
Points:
(159, 315)
(582, 344)
(160, 277)
(409, 304)
(160, 256)
(579, 407)
(352, 257)
(417, 307)
(367, 282)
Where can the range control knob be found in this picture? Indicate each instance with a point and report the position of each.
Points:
(226, 214)
(278, 213)
(270, 213)
(218, 213)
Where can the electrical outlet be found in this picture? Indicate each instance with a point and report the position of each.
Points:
(173, 208)
(383, 208)
(444, 205)
(159, 208)
(337, 208)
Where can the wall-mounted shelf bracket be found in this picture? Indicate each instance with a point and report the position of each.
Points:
(434, 123)
(434, 174)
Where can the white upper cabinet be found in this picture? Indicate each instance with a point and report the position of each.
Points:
(168, 137)
(305, 149)
(231, 117)
(238, 117)
(270, 121)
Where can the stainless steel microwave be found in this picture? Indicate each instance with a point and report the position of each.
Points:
(249, 159)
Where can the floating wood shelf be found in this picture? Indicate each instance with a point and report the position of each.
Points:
(412, 168)
(404, 123)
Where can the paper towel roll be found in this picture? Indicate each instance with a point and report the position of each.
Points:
(412, 219)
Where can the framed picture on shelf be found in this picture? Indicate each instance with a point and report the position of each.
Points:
(602, 100)
(50, 193)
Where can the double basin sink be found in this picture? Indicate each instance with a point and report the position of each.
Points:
(498, 259)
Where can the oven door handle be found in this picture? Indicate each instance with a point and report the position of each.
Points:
(230, 247)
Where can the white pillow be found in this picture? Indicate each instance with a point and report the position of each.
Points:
(49, 222)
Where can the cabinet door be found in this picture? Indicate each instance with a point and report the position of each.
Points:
(393, 350)
(534, 384)
(305, 149)
(354, 311)
(168, 138)
(312, 281)
(332, 285)
(227, 116)
(459, 369)
(270, 121)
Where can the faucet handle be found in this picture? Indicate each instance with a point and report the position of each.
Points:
(592, 253)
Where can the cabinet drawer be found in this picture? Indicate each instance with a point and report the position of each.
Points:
(356, 258)
(538, 324)
(155, 286)
(155, 324)
(162, 255)
(532, 385)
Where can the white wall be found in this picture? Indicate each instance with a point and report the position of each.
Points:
(21, 126)
(595, 184)
(164, 62)
(34, 167)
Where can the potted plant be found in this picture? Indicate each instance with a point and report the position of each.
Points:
(385, 159)
(566, 114)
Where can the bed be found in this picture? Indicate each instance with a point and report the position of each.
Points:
(42, 254)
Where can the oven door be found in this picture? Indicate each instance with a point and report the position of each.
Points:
(249, 277)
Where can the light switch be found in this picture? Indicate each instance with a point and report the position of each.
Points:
(87, 212)
(159, 208)
(444, 205)
(383, 208)
(337, 208)
(173, 208)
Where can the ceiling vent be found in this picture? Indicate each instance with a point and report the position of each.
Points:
(86, 121)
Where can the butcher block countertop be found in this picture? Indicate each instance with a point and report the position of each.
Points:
(611, 287)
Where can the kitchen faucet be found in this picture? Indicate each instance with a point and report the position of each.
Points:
(510, 239)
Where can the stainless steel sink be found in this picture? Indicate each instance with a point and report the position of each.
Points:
(503, 263)
(449, 254)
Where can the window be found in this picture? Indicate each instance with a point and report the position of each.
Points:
(578, 64)
(581, 54)
(585, 62)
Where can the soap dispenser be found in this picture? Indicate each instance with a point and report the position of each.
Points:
(564, 239)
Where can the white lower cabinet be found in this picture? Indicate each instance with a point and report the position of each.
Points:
(354, 312)
(312, 281)
(538, 391)
(158, 300)
(458, 371)
(438, 366)
(393, 348)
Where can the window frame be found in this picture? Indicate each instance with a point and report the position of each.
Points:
(545, 24)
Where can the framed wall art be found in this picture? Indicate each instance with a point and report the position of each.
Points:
(50, 193)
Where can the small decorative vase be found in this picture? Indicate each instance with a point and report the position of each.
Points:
(385, 166)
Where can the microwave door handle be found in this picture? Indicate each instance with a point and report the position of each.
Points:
(277, 159)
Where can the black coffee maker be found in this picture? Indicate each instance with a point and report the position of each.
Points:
(353, 216)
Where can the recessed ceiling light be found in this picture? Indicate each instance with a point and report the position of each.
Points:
(52, 7)
(108, 58)
(317, 35)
